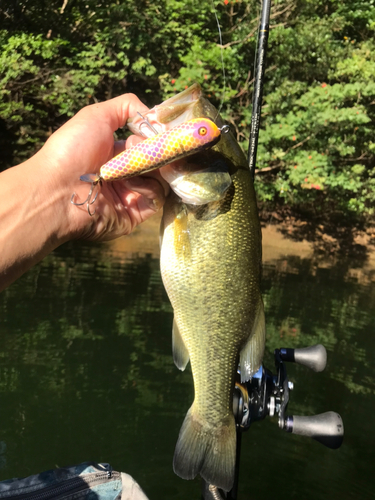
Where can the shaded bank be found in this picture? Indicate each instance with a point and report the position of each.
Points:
(328, 233)
(284, 239)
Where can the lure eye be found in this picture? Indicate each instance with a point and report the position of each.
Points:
(202, 131)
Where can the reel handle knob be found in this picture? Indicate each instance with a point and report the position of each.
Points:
(314, 357)
(327, 428)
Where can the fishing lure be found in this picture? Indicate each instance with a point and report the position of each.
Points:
(183, 140)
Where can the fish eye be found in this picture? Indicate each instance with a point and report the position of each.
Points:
(202, 131)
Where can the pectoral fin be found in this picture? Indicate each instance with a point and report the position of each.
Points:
(252, 353)
(180, 352)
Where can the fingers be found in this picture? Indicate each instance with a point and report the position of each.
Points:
(151, 191)
(140, 196)
(131, 141)
(123, 204)
(117, 111)
(156, 175)
(120, 146)
(148, 188)
(125, 106)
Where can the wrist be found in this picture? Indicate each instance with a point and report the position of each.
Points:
(33, 218)
(49, 200)
(63, 220)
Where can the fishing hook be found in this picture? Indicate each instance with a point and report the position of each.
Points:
(94, 182)
(145, 121)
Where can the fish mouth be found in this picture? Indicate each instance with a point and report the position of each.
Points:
(196, 180)
(170, 113)
(197, 184)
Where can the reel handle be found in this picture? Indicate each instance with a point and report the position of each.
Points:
(314, 357)
(327, 428)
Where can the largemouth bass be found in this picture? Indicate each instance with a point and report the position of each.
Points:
(210, 265)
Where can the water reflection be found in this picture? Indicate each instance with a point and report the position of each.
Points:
(306, 304)
(86, 373)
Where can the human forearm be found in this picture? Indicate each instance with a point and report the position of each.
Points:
(31, 218)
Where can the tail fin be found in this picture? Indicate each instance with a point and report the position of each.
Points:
(209, 451)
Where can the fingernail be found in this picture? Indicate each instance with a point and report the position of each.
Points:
(157, 203)
(154, 204)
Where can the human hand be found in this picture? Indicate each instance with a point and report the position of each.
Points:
(36, 215)
(82, 146)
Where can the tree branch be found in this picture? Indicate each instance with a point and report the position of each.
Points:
(63, 6)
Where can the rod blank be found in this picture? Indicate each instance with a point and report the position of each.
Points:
(258, 85)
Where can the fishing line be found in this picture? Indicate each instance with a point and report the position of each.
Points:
(222, 59)
(222, 52)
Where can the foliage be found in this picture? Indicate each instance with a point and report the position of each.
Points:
(316, 145)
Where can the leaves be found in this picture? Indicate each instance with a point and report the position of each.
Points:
(319, 94)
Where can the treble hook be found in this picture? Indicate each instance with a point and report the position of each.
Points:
(94, 180)
(118, 173)
(145, 121)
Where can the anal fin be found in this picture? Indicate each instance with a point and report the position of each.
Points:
(180, 352)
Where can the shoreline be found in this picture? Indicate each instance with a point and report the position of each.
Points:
(278, 248)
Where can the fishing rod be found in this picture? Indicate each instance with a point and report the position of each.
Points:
(208, 491)
(258, 84)
(267, 394)
(252, 153)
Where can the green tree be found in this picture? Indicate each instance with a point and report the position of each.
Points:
(316, 146)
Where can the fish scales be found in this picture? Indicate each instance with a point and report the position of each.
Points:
(210, 265)
(214, 299)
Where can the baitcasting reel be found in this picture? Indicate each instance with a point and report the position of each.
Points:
(267, 394)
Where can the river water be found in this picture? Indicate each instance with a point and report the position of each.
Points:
(86, 371)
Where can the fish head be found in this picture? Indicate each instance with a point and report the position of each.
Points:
(205, 176)
(170, 113)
